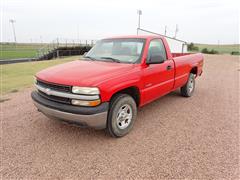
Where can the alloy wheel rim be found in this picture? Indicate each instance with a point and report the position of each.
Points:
(191, 85)
(124, 116)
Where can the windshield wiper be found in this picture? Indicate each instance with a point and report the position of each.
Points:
(91, 58)
(112, 59)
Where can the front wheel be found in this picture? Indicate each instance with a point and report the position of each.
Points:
(122, 114)
(188, 89)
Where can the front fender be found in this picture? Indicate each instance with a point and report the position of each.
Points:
(114, 86)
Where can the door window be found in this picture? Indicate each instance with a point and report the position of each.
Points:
(156, 48)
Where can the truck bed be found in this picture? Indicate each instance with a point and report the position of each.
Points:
(184, 62)
(180, 54)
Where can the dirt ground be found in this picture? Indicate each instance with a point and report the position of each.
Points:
(173, 137)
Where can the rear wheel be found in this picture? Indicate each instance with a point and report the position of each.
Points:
(122, 114)
(188, 89)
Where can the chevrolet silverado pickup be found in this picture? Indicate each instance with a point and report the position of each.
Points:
(118, 75)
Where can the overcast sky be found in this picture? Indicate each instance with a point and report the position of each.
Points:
(202, 21)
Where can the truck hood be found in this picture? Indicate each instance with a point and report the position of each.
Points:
(83, 73)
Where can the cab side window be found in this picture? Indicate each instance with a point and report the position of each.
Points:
(156, 48)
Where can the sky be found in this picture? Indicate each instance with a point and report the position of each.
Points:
(202, 21)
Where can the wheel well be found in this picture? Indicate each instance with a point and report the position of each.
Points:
(194, 70)
(132, 91)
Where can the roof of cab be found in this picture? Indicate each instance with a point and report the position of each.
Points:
(135, 36)
(149, 37)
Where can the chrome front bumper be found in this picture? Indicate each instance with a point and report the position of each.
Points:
(96, 120)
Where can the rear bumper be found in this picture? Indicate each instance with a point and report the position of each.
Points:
(95, 117)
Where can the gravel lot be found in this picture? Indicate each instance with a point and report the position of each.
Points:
(173, 137)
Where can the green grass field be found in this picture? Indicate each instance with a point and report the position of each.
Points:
(222, 49)
(15, 77)
(21, 50)
(28, 50)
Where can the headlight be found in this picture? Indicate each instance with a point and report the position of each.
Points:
(85, 90)
(85, 103)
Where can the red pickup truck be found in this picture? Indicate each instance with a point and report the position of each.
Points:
(117, 76)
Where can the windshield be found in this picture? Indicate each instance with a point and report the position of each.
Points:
(117, 50)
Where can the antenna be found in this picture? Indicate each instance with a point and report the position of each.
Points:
(165, 32)
(14, 33)
(176, 31)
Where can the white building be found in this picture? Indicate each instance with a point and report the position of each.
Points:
(176, 45)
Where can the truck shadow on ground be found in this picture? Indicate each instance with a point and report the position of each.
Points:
(145, 113)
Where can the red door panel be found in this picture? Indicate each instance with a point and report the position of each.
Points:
(158, 80)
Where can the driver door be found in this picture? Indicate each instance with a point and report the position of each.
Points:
(158, 78)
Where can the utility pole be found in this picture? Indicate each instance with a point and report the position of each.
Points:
(41, 40)
(139, 12)
(176, 31)
(78, 37)
(165, 32)
(12, 21)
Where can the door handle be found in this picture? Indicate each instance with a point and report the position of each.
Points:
(169, 67)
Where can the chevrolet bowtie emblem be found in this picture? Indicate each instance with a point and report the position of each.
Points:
(48, 91)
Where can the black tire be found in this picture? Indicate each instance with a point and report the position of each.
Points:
(188, 89)
(118, 104)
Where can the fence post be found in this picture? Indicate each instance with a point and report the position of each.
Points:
(57, 53)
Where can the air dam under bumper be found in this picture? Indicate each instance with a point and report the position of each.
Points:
(95, 117)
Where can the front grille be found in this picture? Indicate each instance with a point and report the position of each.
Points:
(55, 98)
(57, 87)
